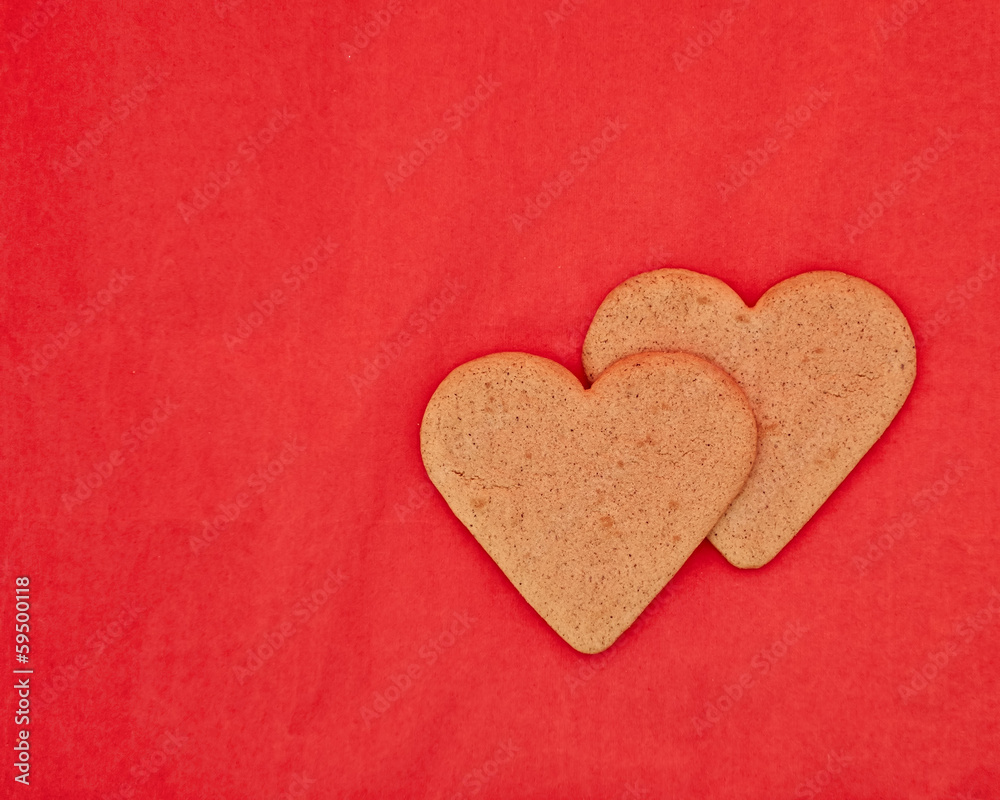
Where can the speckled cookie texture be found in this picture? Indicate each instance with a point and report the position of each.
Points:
(588, 500)
(826, 359)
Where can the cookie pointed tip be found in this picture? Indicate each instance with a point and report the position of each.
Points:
(742, 560)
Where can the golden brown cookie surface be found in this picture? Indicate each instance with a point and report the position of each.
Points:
(826, 359)
(588, 500)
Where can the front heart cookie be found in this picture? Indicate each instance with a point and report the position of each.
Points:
(826, 360)
(588, 500)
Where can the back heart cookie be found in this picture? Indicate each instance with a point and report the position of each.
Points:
(588, 500)
(825, 359)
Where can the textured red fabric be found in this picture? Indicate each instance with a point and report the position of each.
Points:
(256, 236)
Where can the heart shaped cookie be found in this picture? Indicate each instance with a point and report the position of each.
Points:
(826, 360)
(588, 500)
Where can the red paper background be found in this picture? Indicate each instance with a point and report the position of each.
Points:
(439, 258)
